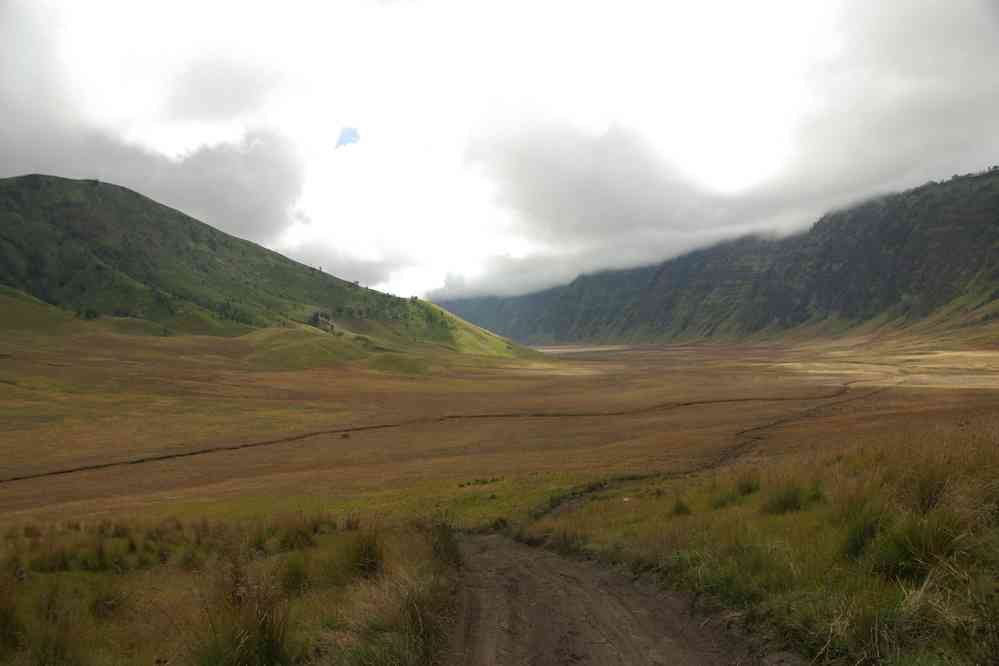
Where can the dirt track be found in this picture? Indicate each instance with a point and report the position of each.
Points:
(522, 605)
(347, 430)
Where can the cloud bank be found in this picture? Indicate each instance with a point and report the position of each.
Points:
(910, 96)
(247, 187)
(610, 137)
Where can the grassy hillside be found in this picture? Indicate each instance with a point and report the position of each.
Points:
(904, 258)
(99, 250)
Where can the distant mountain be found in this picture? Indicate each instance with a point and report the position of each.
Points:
(931, 253)
(102, 250)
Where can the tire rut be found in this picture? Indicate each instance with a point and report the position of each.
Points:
(521, 605)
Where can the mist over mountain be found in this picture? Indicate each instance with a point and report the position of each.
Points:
(928, 253)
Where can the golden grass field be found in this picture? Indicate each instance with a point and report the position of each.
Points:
(664, 458)
(76, 401)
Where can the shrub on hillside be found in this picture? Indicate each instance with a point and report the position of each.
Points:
(680, 507)
(911, 547)
(11, 627)
(400, 621)
(255, 631)
(294, 576)
(106, 598)
(725, 499)
(53, 638)
(748, 484)
(567, 542)
(861, 529)
(792, 496)
(445, 543)
(925, 487)
(365, 554)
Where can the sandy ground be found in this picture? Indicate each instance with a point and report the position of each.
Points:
(522, 605)
(580, 349)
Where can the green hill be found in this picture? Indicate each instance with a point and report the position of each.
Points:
(928, 257)
(103, 251)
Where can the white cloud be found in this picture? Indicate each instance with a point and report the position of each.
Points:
(513, 144)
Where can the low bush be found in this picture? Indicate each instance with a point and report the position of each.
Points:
(567, 542)
(527, 537)
(251, 630)
(294, 576)
(861, 529)
(11, 627)
(499, 525)
(190, 559)
(55, 558)
(445, 543)
(748, 484)
(401, 621)
(365, 554)
(680, 507)
(53, 637)
(725, 499)
(925, 486)
(296, 535)
(107, 599)
(913, 545)
(792, 496)
(96, 557)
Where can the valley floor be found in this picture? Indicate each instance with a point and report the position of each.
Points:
(141, 429)
(602, 452)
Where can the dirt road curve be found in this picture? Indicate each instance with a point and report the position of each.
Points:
(526, 606)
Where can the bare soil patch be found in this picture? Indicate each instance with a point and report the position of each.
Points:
(522, 605)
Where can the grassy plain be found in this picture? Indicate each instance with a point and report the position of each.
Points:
(843, 492)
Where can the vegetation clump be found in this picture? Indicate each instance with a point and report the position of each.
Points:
(857, 556)
(681, 508)
(233, 593)
(445, 542)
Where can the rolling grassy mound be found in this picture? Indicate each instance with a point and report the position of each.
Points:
(96, 250)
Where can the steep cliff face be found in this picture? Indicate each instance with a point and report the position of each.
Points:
(904, 256)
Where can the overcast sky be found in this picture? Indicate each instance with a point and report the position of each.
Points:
(456, 148)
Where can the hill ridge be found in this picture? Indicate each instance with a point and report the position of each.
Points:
(100, 249)
(926, 255)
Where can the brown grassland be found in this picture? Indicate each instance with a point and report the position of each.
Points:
(190, 497)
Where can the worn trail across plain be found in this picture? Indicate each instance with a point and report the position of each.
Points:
(346, 430)
(521, 605)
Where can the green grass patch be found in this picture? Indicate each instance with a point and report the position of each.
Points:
(855, 553)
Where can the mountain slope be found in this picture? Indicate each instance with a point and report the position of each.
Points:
(99, 249)
(929, 252)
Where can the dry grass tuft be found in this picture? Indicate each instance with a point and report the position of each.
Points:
(883, 551)
(249, 593)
